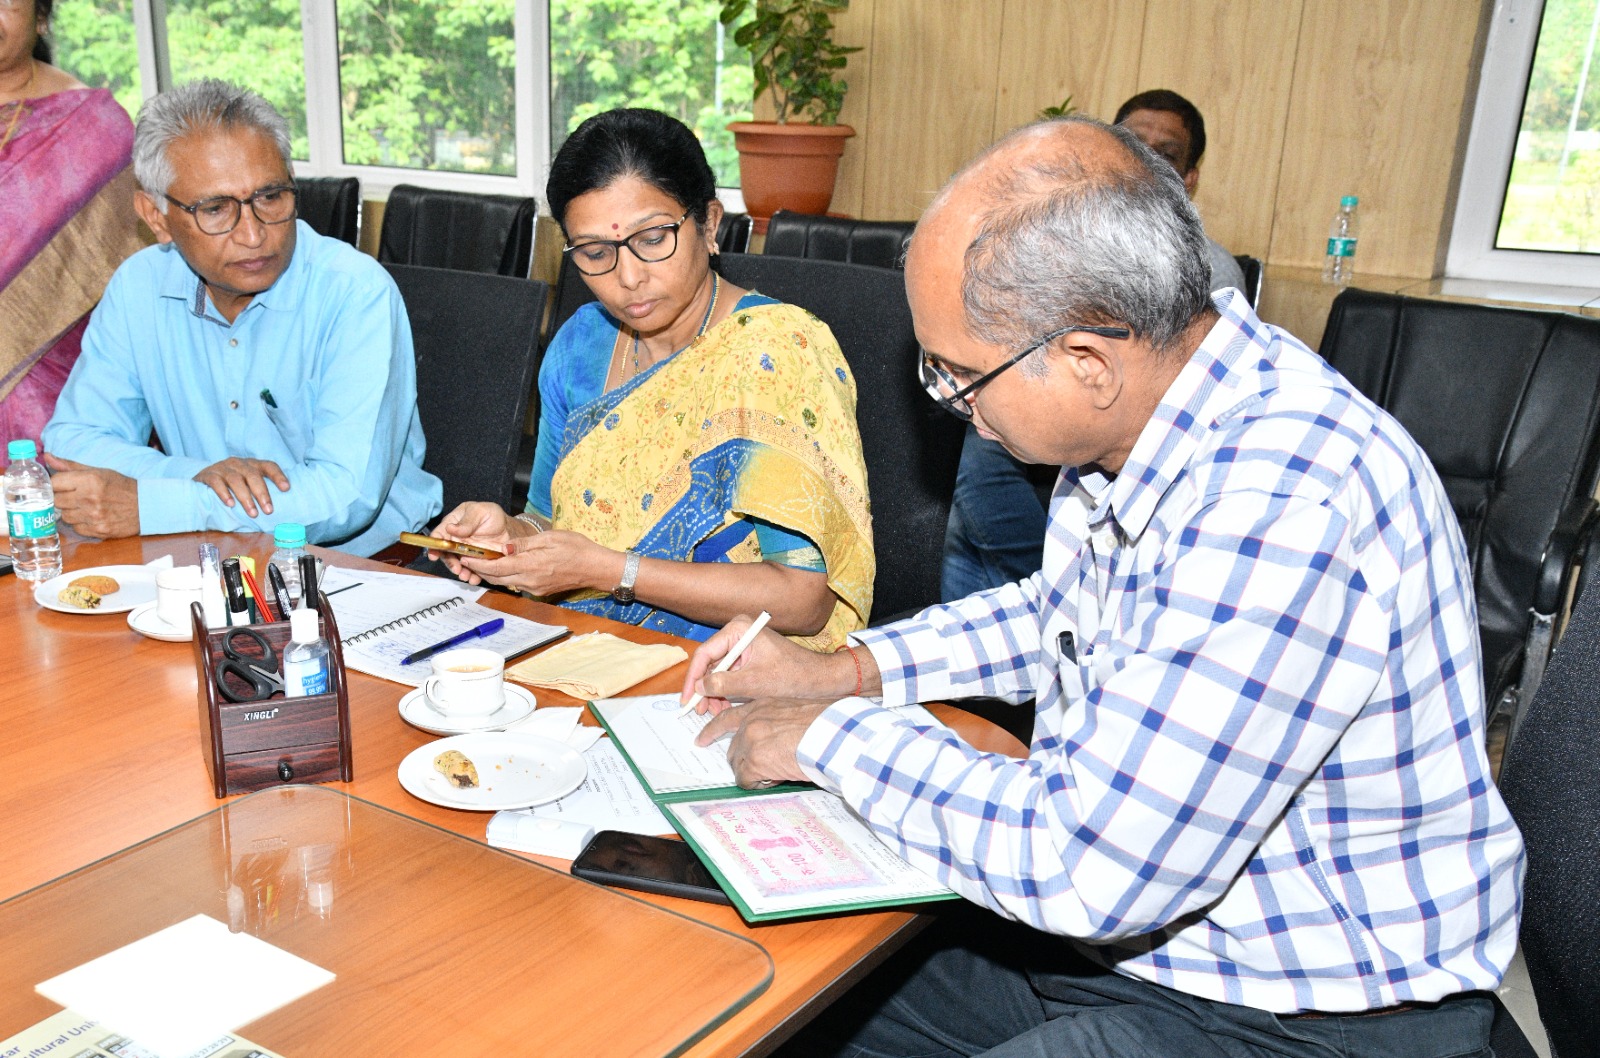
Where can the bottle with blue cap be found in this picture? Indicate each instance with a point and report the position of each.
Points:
(289, 543)
(1340, 262)
(31, 514)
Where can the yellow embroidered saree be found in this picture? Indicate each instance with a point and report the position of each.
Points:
(753, 424)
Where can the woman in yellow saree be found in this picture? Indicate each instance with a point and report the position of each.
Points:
(698, 454)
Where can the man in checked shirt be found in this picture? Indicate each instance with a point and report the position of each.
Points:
(1256, 817)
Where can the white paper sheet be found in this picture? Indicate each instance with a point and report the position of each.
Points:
(661, 743)
(164, 990)
(609, 799)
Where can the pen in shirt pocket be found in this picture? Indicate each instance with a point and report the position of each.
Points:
(266, 398)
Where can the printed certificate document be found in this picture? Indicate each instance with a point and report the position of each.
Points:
(788, 851)
(800, 852)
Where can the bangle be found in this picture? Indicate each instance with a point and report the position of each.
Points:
(528, 518)
(855, 693)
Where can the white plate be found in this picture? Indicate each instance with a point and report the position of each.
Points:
(145, 621)
(418, 712)
(136, 586)
(514, 771)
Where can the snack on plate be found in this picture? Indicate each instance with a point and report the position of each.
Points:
(455, 767)
(97, 583)
(82, 598)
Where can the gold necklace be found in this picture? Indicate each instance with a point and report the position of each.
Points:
(716, 287)
(18, 104)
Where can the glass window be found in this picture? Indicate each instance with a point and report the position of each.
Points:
(1552, 199)
(94, 41)
(257, 45)
(1529, 198)
(429, 85)
(671, 55)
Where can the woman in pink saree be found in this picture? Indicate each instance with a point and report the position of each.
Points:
(66, 215)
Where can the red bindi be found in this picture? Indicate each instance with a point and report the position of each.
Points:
(614, 227)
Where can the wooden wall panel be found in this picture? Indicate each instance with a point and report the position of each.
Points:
(935, 75)
(855, 30)
(1375, 111)
(1089, 48)
(1235, 60)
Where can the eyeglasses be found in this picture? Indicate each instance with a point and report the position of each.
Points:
(220, 215)
(599, 256)
(957, 399)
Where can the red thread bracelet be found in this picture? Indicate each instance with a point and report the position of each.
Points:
(857, 660)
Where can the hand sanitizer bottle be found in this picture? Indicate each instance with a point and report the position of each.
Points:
(305, 663)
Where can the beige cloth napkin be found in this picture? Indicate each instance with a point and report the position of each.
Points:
(597, 665)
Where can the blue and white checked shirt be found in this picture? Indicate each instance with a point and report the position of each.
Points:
(1261, 779)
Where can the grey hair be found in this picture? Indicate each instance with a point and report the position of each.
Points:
(194, 107)
(1066, 245)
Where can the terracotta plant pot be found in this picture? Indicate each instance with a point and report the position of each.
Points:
(787, 166)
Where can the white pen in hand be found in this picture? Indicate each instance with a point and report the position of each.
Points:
(733, 655)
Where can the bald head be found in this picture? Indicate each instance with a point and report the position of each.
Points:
(1068, 221)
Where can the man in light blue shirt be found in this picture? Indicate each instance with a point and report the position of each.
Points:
(274, 365)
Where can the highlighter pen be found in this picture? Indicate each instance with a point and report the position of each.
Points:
(233, 583)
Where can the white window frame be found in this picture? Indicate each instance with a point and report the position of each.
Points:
(1496, 118)
(324, 121)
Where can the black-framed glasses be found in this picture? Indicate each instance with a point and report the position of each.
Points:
(599, 256)
(220, 215)
(956, 399)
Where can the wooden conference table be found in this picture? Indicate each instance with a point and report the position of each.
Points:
(100, 750)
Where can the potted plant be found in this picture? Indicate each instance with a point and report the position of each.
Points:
(790, 163)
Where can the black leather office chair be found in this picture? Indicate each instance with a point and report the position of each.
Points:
(1550, 778)
(476, 339)
(1506, 402)
(733, 234)
(910, 446)
(330, 204)
(454, 229)
(870, 242)
(1252, 269)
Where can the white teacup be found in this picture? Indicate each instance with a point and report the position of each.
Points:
(176, 588)
(466, 682)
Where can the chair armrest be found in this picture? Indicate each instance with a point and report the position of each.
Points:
(1568, 543)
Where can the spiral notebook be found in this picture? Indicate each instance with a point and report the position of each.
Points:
(389, 616)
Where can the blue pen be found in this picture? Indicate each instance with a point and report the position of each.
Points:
(488, 628)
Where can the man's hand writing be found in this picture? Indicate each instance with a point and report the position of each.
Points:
(94, 501)
(771, 666)
(766, 738)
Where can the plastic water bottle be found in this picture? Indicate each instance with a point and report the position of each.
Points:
(289, 543)
(305, 663)
(1340, 263)
(31, 514)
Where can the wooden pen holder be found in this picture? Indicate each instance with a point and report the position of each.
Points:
(254, 745)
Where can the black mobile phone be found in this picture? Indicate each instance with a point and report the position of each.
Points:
(648, 864)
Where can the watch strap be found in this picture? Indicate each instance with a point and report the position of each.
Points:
(623, 592)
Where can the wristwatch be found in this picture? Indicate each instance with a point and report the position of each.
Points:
(623, 593)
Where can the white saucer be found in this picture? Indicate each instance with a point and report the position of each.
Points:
(136, 585)
(145, 621)
(416, 710)
(516, 771)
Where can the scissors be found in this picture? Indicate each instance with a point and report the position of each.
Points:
(255, 666)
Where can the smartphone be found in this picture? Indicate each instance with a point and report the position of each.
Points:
(648, 864)
(434, 543)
